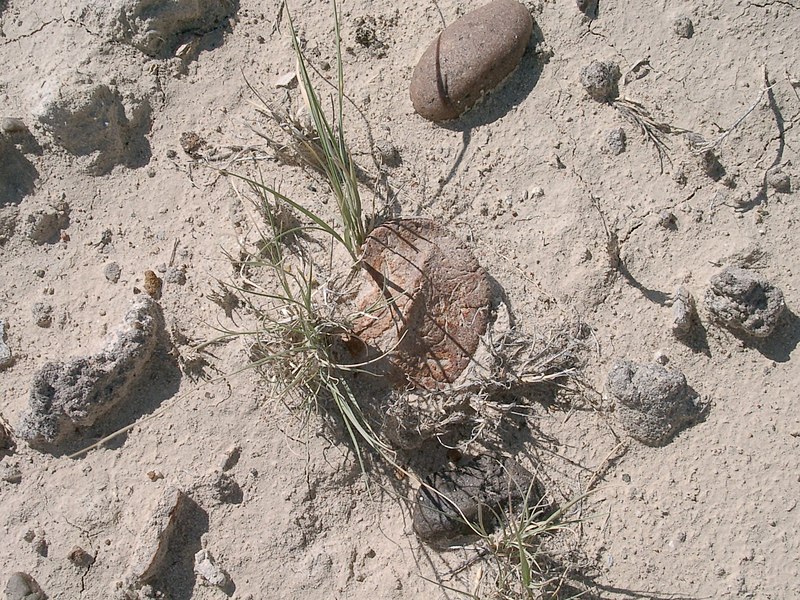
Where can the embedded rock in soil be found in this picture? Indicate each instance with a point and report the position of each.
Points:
(21, 586)
(652, 403)
(44, 225)
(683, 27)
(599, 79)
(474, 492)
(157, 28)
(6, 358)
(745, 302)
(69, 396)
(428, 301)
(471, 56)
(684, 312)
(89, 119)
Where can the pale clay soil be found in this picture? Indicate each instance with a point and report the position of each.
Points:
(527, 180)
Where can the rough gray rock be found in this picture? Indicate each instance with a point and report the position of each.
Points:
(175, 275)
(616, 141)
(779, 181)
(471, 493)
(683, 27)
(6, 357)
(471, 56)
(745, 302)
(9, 217)
(684, 312)
(599, 79)
(69, 396)
(42, 314)
(112, 272)
(92, 120)
(44, 225)
(652, 403)
(21, 586)
(157, 28)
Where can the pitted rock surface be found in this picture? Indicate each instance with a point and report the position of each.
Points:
(745, 302)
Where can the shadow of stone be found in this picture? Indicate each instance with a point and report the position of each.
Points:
(177, 577)
(780, 344)
(17, 174)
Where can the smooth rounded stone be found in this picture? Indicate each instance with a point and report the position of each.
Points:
(652, 403)
(616, 141)
(745, 302)
(469, 57)
(425, 301)
(683, 27)
(470, 495)
(599, 79)
(21, 586)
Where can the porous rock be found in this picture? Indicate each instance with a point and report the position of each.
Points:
(428, 301)
(652, 403)
(6, 357)
(69, 396)
(684, 312)
(471, 494)
(91, 119)
(745, 302)
(599, 79)
(469, 57)
(21, 586)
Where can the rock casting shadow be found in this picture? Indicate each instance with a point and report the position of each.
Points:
(782, 342)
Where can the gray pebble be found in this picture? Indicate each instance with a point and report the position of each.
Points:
(667, 219)
(42, 314)
(683, 312)
(112, 272)
(779, 181)
(745, 302)
(22, 586)
(175, 275)
(616, 141)
(599, 79)
(6, 358)
(652, 404)
(683, 27)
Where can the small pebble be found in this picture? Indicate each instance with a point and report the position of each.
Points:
(112, 272)
(152, 284)
(667, 219)
(683, 27)
(42, 314)
(599, 79)
(616, 141)
(779, 181)
(175, 275)
(80, 557)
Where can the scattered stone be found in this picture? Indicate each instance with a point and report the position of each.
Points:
(192, 143)
(599, 79)
(683, 27)
(175, 275)
(473, 493)
(89, 119)
(159, 29)
(44, 225)
(152, 284)
(67, 397)
(12, 125)
(6, 357)
(155, 475)
(148, 559)
(42, 314)
(22, 586)
(112, 272)
(652, 403)
(80, 557)
(667, 219)
(9, 216)
(616, 141)
(438, 286)
(10, 473)
(207, 569)
(779, 181)
(471, 56)
(231, 458)
(745, 302)
(388, 153)
(684, 312)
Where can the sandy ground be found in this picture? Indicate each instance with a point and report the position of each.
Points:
(526, 178)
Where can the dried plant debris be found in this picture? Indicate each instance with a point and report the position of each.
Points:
(455, 503)
(652, 403)
(745, 302)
